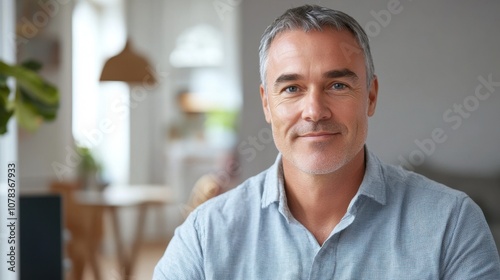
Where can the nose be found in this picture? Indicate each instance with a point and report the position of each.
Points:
(315, 107)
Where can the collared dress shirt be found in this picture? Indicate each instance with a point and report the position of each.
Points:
(399, 225)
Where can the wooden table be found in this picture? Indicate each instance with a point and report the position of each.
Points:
(111, 200)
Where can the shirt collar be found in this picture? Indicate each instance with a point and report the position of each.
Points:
(273, 183)
(372, 186)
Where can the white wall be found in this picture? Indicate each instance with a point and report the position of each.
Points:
(38, 150)
(427, 57)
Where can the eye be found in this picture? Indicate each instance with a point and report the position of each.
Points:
(339, 86)
(291, 89)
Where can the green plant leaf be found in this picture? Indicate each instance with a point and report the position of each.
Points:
(35, 100)
(4, 94)
(47, 111)
(89, 162)
(5, 113)
(32, 83)
(4, 119)
(32, 65)
(26, 116)
(222, 119)
(3, 80)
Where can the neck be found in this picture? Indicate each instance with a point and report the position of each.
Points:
(320, 201)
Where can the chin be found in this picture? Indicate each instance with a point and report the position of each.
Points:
(320, 164)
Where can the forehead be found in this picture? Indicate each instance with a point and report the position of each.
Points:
(297, 51)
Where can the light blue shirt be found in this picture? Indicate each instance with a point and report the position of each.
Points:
(399, 225)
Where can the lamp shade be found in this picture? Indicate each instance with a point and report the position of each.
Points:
(128, 66)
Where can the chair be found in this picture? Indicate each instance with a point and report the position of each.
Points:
(205, 188)
(78, 221)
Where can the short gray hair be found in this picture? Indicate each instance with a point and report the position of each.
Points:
(315, 18)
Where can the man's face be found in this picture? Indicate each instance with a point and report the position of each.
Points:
(316, 98)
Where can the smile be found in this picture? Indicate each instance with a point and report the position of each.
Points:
(319, 135)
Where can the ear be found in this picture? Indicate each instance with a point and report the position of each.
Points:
(265, 104)
(372, 96)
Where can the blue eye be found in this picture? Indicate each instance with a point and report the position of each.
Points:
(338, 86)
(291, 89)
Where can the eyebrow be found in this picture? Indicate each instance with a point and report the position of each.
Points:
(287, 78)
(330, 74)
(341, 74)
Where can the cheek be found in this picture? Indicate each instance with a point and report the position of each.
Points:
(361, 122)
(352, 115)
(284, 114)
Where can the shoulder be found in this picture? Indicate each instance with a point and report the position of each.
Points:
(423, 198)
(428, 203)
(448, 225)
(399, 180)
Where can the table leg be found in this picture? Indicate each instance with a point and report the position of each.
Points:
(137, 240)
(122, 258)
(126, 261)
(93, 240)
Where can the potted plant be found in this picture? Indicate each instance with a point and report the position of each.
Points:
(34, 100)
(220, 126)
(89, 171)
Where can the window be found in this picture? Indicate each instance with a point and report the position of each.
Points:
(100, 110)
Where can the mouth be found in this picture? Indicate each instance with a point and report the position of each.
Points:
(319, 135)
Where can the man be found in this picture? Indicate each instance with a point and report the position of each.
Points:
(328, 208)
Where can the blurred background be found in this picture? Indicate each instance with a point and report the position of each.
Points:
(159, 109)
